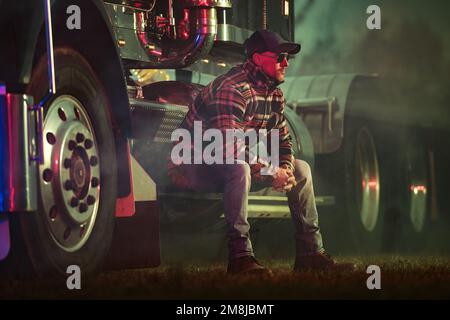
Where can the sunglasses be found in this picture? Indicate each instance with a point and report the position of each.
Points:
(280, 57)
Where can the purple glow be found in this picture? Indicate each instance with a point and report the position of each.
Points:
(4, 238)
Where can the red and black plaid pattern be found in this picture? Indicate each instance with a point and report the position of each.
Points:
(244, 98)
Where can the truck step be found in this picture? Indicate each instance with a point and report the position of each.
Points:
(260, 206)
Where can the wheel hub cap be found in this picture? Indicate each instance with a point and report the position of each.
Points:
(69, 197)
(368, 180)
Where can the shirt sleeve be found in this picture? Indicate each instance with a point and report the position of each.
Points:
(286, 157)
(225, 111)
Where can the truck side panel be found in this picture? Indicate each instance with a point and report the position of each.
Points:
(23, 23)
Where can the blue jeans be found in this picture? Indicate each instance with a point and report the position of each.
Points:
(234, 181)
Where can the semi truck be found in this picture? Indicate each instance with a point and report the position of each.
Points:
(90, 93)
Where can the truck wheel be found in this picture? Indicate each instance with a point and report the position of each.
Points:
(414, 195)
(77, 180)
(361, 198)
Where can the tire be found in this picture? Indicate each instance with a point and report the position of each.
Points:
(412, 192)
(77, 181)
(361, 197)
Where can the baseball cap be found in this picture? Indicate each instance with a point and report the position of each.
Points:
(265, 40)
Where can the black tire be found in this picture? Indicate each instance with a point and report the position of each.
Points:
(412, 192)
(364, 179)
(76, 83)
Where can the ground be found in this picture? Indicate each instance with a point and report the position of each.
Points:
(401, 278)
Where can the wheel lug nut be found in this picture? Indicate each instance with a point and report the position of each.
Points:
(74, 202)
(72, 145)
(90, 200)
(83, 207)
(93, 161)
(67, 163)
(80, 137)
(53, 212)
(68, 185)
(94, 182)
(47, 175)
(88, 144)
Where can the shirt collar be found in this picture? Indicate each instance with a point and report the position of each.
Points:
(258, 77)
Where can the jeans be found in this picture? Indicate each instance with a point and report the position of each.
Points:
(234, 181)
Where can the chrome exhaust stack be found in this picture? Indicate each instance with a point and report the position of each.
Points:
(184, 43)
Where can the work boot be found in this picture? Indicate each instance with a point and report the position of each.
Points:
(246, 265)
(322, 262)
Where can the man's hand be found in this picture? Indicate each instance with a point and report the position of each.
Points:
(283, 179)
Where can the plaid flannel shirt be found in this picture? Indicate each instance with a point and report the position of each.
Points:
(244, 98)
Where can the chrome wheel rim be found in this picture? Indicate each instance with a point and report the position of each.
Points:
(367, 180)
(417, 189)
(70, 173)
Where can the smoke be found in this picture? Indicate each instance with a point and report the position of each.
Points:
(411, 53)
(303, 11)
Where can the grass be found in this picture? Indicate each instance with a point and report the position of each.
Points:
(401, 278)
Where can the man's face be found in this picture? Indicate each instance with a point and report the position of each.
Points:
(274, 65)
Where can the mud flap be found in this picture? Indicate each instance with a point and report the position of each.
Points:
(136, 242)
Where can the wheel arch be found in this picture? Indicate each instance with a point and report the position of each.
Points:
(96, 43)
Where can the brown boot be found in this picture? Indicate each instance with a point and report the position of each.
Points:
(321, 261)
(246, 266)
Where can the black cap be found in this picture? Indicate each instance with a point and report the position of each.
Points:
(265, 40)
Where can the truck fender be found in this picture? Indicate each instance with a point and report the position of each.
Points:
(96, 43)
